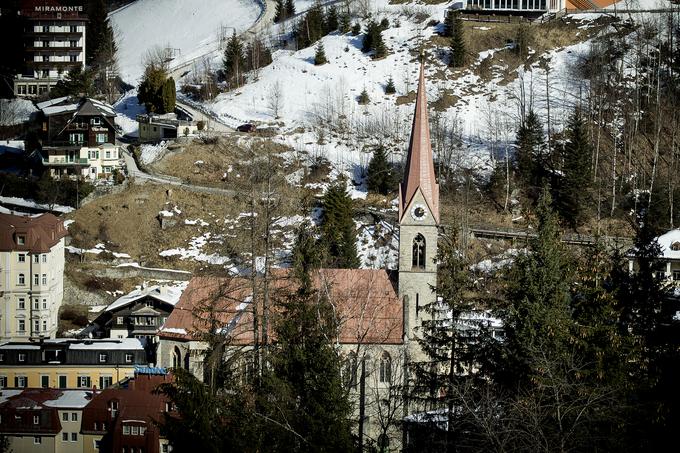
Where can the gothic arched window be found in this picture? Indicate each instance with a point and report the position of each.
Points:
(418, 252)
(385, 368)
(176, 358)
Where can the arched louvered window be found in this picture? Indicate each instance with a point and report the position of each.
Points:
(418, 259)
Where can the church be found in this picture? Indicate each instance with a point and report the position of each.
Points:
(379, 313)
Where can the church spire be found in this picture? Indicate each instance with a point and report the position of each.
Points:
(419, 171)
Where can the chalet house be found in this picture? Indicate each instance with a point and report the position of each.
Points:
(669, 260)
(78, 138)
(138, 314)
(43, 420)
(155, 128)
(124, 419)
(68, 363)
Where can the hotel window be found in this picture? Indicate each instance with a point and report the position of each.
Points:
(46, 29)
(73, 43)
(21, 325)
(142, 430)
(44, 325)
(2, 357)
(108, 153)
(21, 280)
(62, 382)
(84, 381)
(73, 58)
(74, 437)
(76, 138)
(64, 436)
(22, 357)
(74, 29)
(105, 382)
(36, 258)
(21, 304)
(44, 304)
(64, 416)
(44, 279)
(22, 257)
(102, 358)
(3, 382)
(128, 358)
(119, 320)
(96, 121)
(37, 440)
(74, 416)
(126, 430)
(21, 89)
(101, 138)
(36, 304)
(36, 326)
(44, 381)
(20, 381)
(36, 279)
(32, 89)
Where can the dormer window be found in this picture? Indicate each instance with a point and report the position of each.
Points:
(21, 240)
(95, 121)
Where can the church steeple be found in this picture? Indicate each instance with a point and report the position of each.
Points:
(419, 171)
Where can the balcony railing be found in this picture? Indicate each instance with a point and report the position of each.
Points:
(64, 161)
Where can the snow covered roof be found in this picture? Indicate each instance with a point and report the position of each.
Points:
(108, 344)
(670, 244)
(51, 102)
(55, 109)
(70, 399)
(168, 294)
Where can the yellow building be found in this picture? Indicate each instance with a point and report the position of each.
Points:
(67, 363)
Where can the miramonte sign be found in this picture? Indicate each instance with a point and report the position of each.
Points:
(58, 9)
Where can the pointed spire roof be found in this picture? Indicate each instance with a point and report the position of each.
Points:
(419, 171)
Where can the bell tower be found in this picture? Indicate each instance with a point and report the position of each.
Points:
(418, 220)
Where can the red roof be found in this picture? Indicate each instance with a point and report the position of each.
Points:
(40, 233)
(368, 307)
(18, 413)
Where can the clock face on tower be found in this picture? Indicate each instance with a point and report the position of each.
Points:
(418, 212)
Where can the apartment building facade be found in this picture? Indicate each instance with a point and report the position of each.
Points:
(54, 43)
(31, 275)
(69, 364)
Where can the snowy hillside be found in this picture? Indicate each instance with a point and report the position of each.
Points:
(190, 27)
(480, 103)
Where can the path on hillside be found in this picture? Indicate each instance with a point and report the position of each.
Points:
(212, 122)
(139, 177)
(262, 22)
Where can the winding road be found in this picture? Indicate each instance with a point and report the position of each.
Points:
(139, 177)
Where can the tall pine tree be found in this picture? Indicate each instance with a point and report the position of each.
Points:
(381, 177)
(458, 48)
(234, 60)
(305, 396)
(572, 191)
(338, 232)
(451, 335)
(530, 158)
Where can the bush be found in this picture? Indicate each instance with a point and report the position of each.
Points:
(76, 314)
(390, 88)
(356, 29)
(363, 98)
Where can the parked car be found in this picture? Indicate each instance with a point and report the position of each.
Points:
(246, 128)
